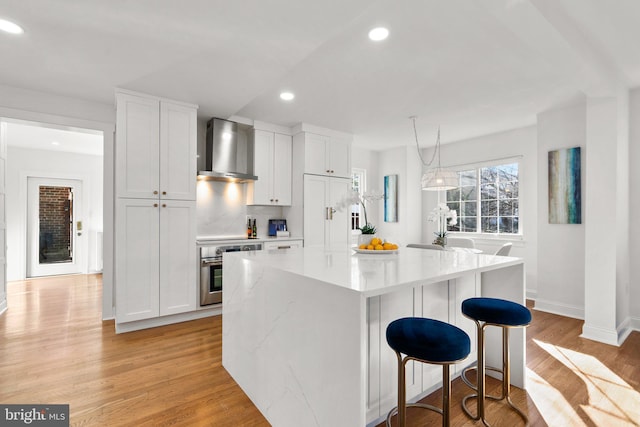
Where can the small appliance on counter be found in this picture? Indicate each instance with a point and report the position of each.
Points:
(276, 225)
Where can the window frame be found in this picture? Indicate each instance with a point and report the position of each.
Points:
(357, 208)
(477, 167)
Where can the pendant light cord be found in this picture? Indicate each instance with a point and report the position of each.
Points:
(436, 151)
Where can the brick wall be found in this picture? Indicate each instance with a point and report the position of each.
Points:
(55, 214)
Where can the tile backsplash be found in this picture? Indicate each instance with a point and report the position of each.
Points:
(222, 210)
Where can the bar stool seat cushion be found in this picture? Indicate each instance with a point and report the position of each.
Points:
(428, 339)
(496, 311)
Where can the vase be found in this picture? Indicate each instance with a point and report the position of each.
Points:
(364, 239)
(440, 241)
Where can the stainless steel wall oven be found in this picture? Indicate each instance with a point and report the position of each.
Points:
(211, 269)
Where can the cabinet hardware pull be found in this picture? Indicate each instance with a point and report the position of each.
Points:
(155, 205)
(328, 171)
(332, 171)
(276, 200)
(271, 200)
(164, 193)
(155, 192)
(164, 205)
(284, 247)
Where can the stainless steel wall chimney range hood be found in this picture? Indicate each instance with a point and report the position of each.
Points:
(229, 152)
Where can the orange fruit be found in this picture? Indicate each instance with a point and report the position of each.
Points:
(370, 247)
(394, 246)
(387, 246)
(362, 246)
(379, 248)
(375, 241)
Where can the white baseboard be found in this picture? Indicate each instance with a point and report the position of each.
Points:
(606, 336)
(560, 309)
(166, 320)
(635, 323)
(531, 294)
(3, 306)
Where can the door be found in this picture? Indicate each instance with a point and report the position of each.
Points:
(137, 259)
(3, 223)
(339, 232)
(282, 169)
(55, 240)
(137, 151)
(178, 257)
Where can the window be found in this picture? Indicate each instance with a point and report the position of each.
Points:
(358, 180)
(486, 200)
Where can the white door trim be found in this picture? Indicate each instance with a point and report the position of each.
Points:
(108, 131)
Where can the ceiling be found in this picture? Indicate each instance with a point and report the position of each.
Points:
(471, 66)
(37, 136)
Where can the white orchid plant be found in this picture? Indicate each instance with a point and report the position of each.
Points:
(444, 216)
(354, 198)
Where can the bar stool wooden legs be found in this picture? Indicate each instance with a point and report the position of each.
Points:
(427, 341)
(504, 314)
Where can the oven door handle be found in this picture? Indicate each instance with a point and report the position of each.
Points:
(211, 262)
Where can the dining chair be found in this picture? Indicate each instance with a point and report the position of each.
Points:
(461, 242)
(504, 249)
(425, 246)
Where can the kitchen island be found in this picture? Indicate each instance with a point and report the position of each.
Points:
(304, 329)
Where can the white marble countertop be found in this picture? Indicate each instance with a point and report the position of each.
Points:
(377, 274)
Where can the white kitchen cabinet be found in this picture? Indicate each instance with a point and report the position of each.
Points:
(3, 223)
(155, 258)
(324, 155)
(284, 244)
(273, 167)
(155, 148)
(324, 226)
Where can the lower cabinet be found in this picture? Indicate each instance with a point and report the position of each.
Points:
(439, 301)
(155, 258)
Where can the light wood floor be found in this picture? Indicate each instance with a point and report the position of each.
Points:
(54, 348)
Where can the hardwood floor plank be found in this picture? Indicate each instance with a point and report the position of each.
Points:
(54, 348)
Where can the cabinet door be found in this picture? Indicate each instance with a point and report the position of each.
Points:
(282, 170)
(3, 223)
(137, 147)
(339, 234)
(177, 151)
(315, 157)
(178, 263)
(315, 210)
(137, 259)
(339, 154)
(286, 244)
(260, 192)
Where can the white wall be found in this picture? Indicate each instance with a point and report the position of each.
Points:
(634, 206)
(561, 247)
(403, 162)
(513, 143)
(50, 164)
(222, 211)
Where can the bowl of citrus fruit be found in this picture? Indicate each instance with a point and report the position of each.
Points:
(377, 246)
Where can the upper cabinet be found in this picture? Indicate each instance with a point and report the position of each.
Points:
(155, 148)
(325, 155)
(273, 168)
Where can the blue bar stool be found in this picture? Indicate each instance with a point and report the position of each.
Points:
(427, 341)
(504, 314)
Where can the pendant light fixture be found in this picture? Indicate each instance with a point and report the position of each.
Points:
(436, 178)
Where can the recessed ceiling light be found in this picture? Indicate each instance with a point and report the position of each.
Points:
(287, 96)
(55, 143)
(10, 27)
(378, 34)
